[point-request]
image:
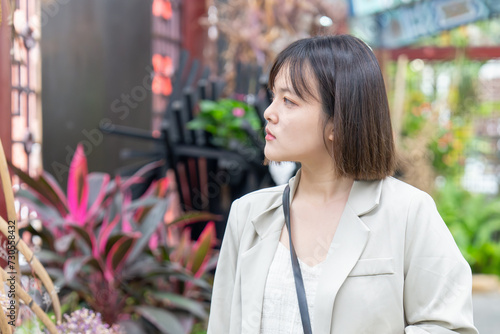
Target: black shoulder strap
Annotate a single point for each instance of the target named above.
(299, 283)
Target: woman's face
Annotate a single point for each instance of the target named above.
(295, 126)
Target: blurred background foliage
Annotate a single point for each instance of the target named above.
(448, 139)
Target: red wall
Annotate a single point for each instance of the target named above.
(193, 34)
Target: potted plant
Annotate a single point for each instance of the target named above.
(229, 122)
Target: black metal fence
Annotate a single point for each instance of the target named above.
(208, 178)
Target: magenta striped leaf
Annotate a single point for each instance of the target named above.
(78, 187)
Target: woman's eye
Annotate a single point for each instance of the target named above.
(288, 102)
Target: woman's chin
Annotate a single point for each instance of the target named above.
(274, 156)
(269, 154)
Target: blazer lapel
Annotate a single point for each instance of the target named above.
(347, 245)
(255, 263)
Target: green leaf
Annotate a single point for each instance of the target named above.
(207, 105)
(211, 128)
(218, 114)
(165, 321)
(197, 124)
(177, 301)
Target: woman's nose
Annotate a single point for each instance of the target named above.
(270, 114)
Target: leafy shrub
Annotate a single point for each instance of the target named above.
(226, 120)
(474, 221)
(119, 255)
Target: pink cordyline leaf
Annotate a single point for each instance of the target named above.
(186, 246)
(57, 190)
(100, 196)
(160, 236)
(172, 237)
(127, 199)
(44, 212)
(118, 181)
(41, 189)
(93, 241)
(182, 247)
(78, 187)
(138, 176)
(106, 271)
(84, 234)
(158, 188)
(153, 242)
(202, 249)
(118, 255)
(162, 187)
(150, 191)
(72, 266)
(106, 229)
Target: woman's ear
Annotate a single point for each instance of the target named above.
(330, 131)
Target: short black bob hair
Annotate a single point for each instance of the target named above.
(352, 92)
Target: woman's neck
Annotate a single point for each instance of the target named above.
(322, 185)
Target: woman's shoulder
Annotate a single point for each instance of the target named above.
(393, 183)
(265, 194)
(262, 199)
(398, 191)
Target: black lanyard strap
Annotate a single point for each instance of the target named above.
(297, 274)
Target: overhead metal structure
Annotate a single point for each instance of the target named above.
(393, 24)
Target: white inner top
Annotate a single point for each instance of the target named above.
(280, 311)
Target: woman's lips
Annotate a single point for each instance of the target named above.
(269, 135)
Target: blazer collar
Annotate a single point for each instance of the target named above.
(363, 198)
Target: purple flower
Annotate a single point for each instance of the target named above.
(239, 112)
(86, 321)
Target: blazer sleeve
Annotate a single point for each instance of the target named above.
(224, 280)
(438, 280)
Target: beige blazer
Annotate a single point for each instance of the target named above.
(395, 267)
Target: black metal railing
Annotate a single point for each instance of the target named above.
(207, 177)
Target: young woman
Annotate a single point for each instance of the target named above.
(373, 252)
